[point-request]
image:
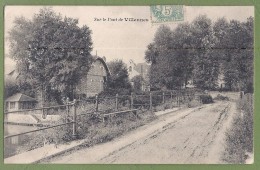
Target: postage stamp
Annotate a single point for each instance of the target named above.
(167, 13)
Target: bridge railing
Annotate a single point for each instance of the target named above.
(70, 116)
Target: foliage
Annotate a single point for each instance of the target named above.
(51, 52)
(206, 65)
(118, 80)
(13, 86)
(10, 88)
(111, 92)
(117, 125)
(138, 82)
(168, 59)
(220, 97)
(206, 98)
(193, 103)
(202, 52)
(236, 41)
(164, 106)
(239, 138)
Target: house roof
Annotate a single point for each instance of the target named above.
(133, 73)
(104, 64)
(20, 97)
(13, 75)
(138, 69)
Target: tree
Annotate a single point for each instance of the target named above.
(160, 53)
(169, 55)
(138, 82)
(119, 80)
(237, 58)
(182, 62)
(51, 52)
(10, 88)
(202, 51)
(206, 65)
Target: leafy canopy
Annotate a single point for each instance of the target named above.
(119, 79)
(51, 51)
(202, 52)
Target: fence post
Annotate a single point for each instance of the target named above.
(67, 107)
(132, 101)
(74, 131)
(151, 102)
(163, 97)
(178, 99)
(241, 94)
(116, 101)
(96, 103)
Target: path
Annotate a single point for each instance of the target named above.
(186, 136)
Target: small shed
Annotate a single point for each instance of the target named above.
(19, 101)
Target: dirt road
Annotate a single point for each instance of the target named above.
(187, 136)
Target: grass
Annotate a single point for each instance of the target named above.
(239, 138)
(112, 128)
(90, 127)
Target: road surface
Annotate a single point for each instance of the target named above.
(185, 136)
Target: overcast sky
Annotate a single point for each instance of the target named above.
(121, 40)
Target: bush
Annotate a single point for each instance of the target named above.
(206, 98)
(164, 106)
(193, 103)
(239, 138)
(220, 97)
(100, 132)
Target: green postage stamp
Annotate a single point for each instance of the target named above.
(167, 13)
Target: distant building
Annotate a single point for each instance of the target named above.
(19, 101)
(13, 75)
(221, 81)
(132, 70)
(141, 69)
(92, 83)
(95, 80)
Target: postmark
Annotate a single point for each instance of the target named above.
(167, 13)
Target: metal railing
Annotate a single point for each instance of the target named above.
(75, 109)
(27, 111)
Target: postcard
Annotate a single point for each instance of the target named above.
(160, 84)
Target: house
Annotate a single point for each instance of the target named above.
(12, 76)
(141, 69)
(221, 82)
(131, 70)
(92, 83)
(95, 80)
(19, 101)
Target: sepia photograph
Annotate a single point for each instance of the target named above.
(162, 84)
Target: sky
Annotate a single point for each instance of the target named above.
(120, 40)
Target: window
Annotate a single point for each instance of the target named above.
(101, 85)
(130, 68)
(12, 105)
(7, 105)
(14, 140)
